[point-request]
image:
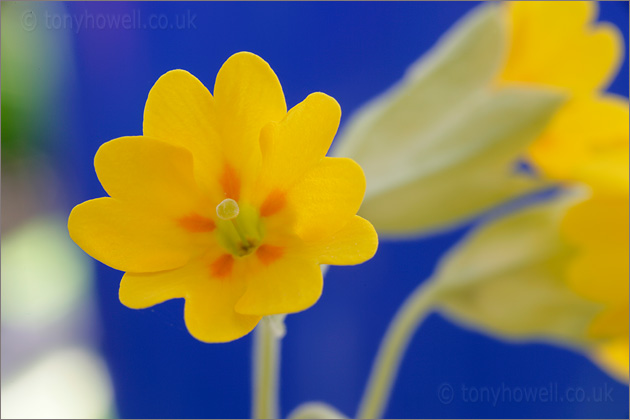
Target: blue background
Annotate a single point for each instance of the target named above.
(351, 51)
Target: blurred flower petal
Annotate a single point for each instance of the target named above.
(557, 43)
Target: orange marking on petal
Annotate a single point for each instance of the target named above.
(222, 267)
(273, 203)
(269, 253)
(231, 183)
(196, 223)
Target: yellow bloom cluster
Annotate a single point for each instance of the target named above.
(558, 45)
(584, 246)
(512, 81)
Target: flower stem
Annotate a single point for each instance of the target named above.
(266, 371)
(385, 368)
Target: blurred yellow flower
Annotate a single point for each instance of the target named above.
(508, 277)
(558, 44)
(510, 81)
(587, 141)
(556, 271)
(227, 201)
(599, 227)
(440, 146)
(572, 286)
(599, 272)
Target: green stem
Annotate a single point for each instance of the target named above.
(266, 371)
(407, 320)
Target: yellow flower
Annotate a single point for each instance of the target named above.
(558, 271)
(508, 277)
(440, 146)
(444, 139)
(557, 43)
(598, 228)
(574, 286)
(587, 142)
(227, 201)
(554, 271)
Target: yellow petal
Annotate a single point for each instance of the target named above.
(612, 322)
(291, 283)
(248, 96)
(327, 197)
(300, 140)
(601, 275)
(129, 238)
(598, 222)
(613, 357)
(209, 311)
(142, 290)
(149, 173)
(181, 111)
(556, 17)
(555, 43)
(584, 137)
(355, 243)
(607, 173)
(600, 270)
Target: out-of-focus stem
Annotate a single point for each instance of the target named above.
(266, 368)
(385, 369)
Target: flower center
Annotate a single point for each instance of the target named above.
(239, 229)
